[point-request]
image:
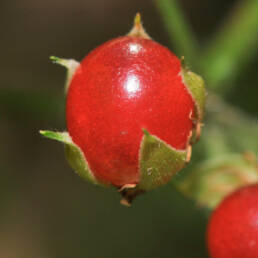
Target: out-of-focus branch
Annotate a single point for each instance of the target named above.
(180, 32)
(233, 45)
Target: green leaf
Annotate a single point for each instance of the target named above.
(74, 155)
(158, 162)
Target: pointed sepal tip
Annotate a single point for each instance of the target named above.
(138, 29)
(74, 154)
(70, 64)
(137, 20)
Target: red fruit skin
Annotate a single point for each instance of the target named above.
(233, 227)
(125, 85)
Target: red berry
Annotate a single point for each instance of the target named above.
(123, 86)
(233, 227)
(132, 114)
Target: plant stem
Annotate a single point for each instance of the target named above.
(180, 32)
(232, 46)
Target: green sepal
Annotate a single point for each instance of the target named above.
(195, 84)
(158, 162)
(73, 154)
(70, 64)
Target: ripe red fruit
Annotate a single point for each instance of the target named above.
(132, 113)
(233, 227)
(121, 87)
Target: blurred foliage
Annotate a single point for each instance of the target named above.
(46, 210)
(224, 54)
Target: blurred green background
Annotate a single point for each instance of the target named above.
(46, 210)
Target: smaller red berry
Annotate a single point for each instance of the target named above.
(233, 227)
